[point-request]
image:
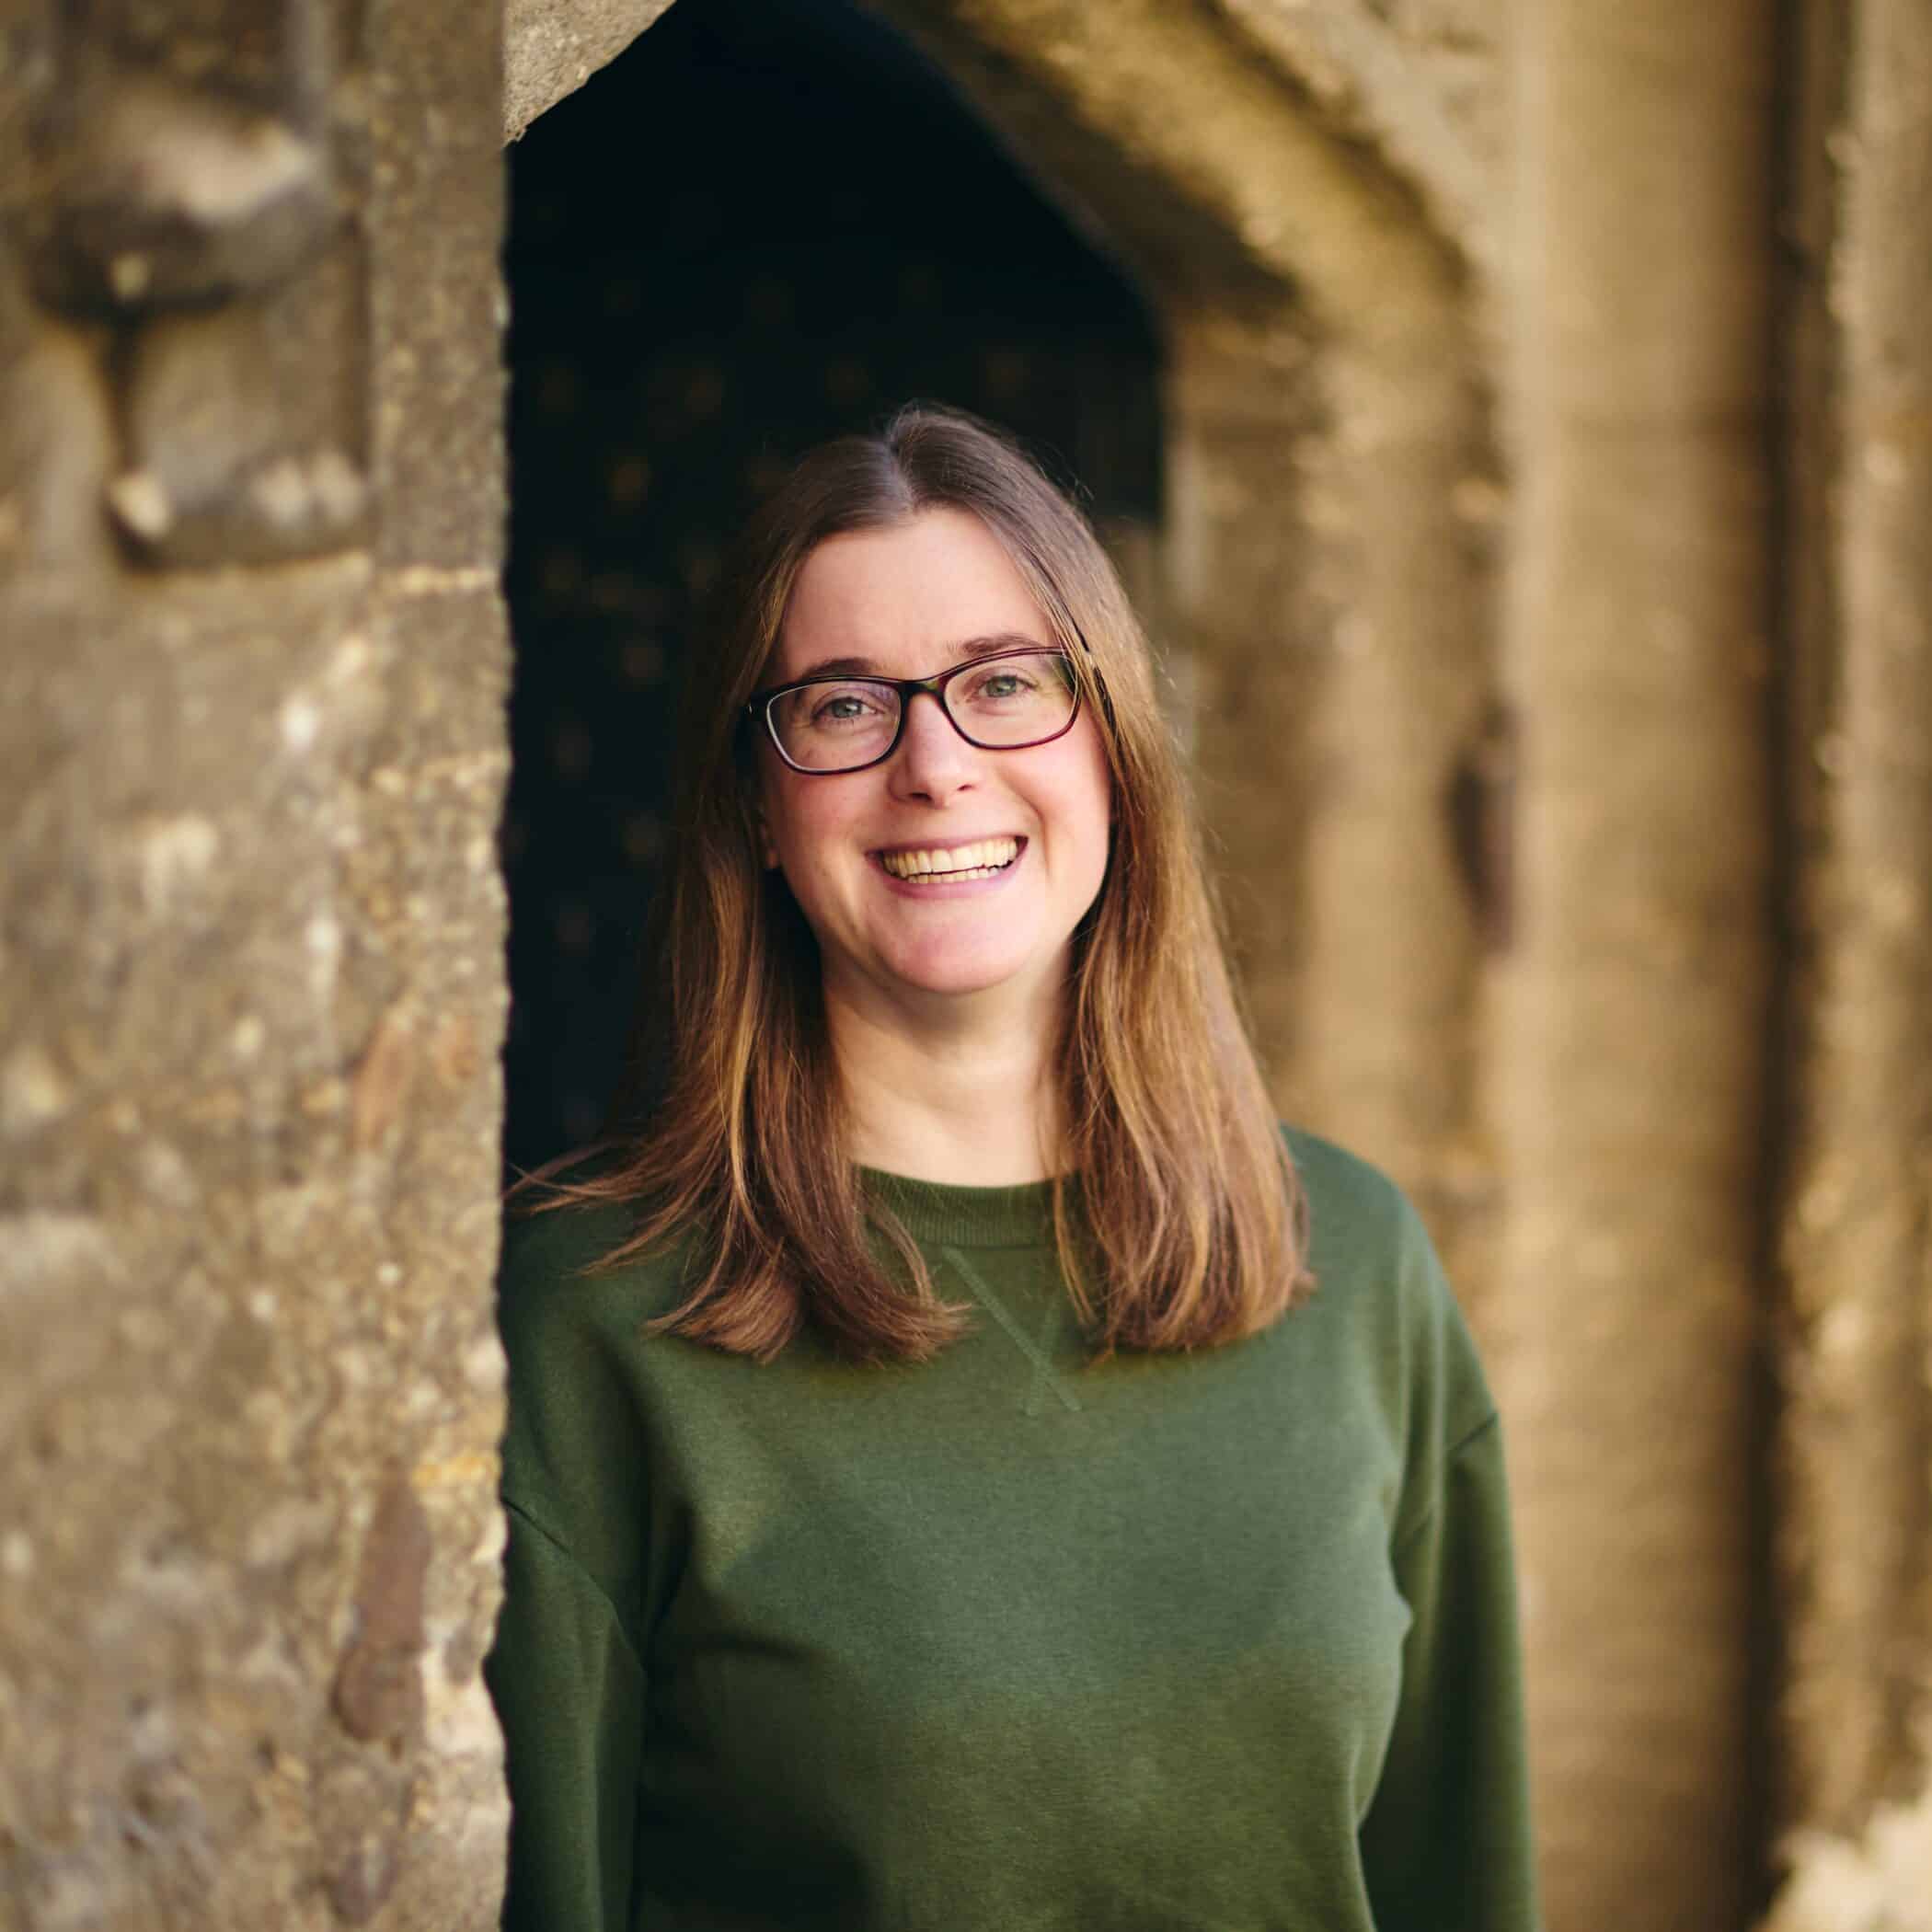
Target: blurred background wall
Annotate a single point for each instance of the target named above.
(1516, 423)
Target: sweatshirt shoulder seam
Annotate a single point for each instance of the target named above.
(1467, 1440)
(1469, 1435)
(556, 1543)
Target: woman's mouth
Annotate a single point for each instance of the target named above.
(951, 865)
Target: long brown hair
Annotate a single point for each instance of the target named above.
(1178, 1215)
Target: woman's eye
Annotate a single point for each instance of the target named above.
(1003, 684)
(843, 708)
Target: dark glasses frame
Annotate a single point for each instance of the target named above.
(760, 703)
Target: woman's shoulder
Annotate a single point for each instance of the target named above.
(1356, 1213)
(1378, 1272)
(560, 1275)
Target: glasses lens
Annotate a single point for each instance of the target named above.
(830, 728)
(1012, 700)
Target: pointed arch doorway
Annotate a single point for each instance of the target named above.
(766, 222)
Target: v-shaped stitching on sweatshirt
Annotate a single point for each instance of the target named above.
(1045, 1376)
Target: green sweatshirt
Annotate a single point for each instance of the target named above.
(1008, 1642)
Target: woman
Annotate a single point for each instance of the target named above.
(967, 1468)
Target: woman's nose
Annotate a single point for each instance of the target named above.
(933, 760)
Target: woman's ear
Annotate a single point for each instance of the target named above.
(767, 852)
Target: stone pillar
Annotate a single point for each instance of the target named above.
(1634, 1010)
(1243, 430)
(1329, 595)
(251, 757)
(1855, 1530)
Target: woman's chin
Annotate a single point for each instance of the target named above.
(961, 975)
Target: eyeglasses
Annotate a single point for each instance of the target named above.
(823, 725)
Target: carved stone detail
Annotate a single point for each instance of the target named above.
(187, 170)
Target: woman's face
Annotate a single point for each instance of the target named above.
(909, 601)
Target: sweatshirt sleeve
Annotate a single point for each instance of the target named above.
(567, 1667)
(1446, 1844)
(569, 1694)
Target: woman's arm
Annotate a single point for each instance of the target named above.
(1446, 1844)
(567, 1670)
(569, 1693)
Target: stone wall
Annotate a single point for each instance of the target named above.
(251, 753)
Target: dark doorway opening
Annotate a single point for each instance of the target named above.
(768, 222)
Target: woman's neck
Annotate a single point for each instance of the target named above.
(970, 1101)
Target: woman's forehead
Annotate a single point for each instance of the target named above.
(899, 599)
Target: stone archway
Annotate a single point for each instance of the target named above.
(1324, 359)
(1318, 218)
(671, 350)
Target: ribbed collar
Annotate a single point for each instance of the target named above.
(944, 1216)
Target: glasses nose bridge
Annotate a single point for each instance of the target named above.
(934, 688)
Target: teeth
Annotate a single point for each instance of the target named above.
(979, 860)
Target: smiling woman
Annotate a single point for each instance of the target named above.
(1122, 1583)
(1069, 1022)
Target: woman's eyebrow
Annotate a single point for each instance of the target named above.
(961, 653)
